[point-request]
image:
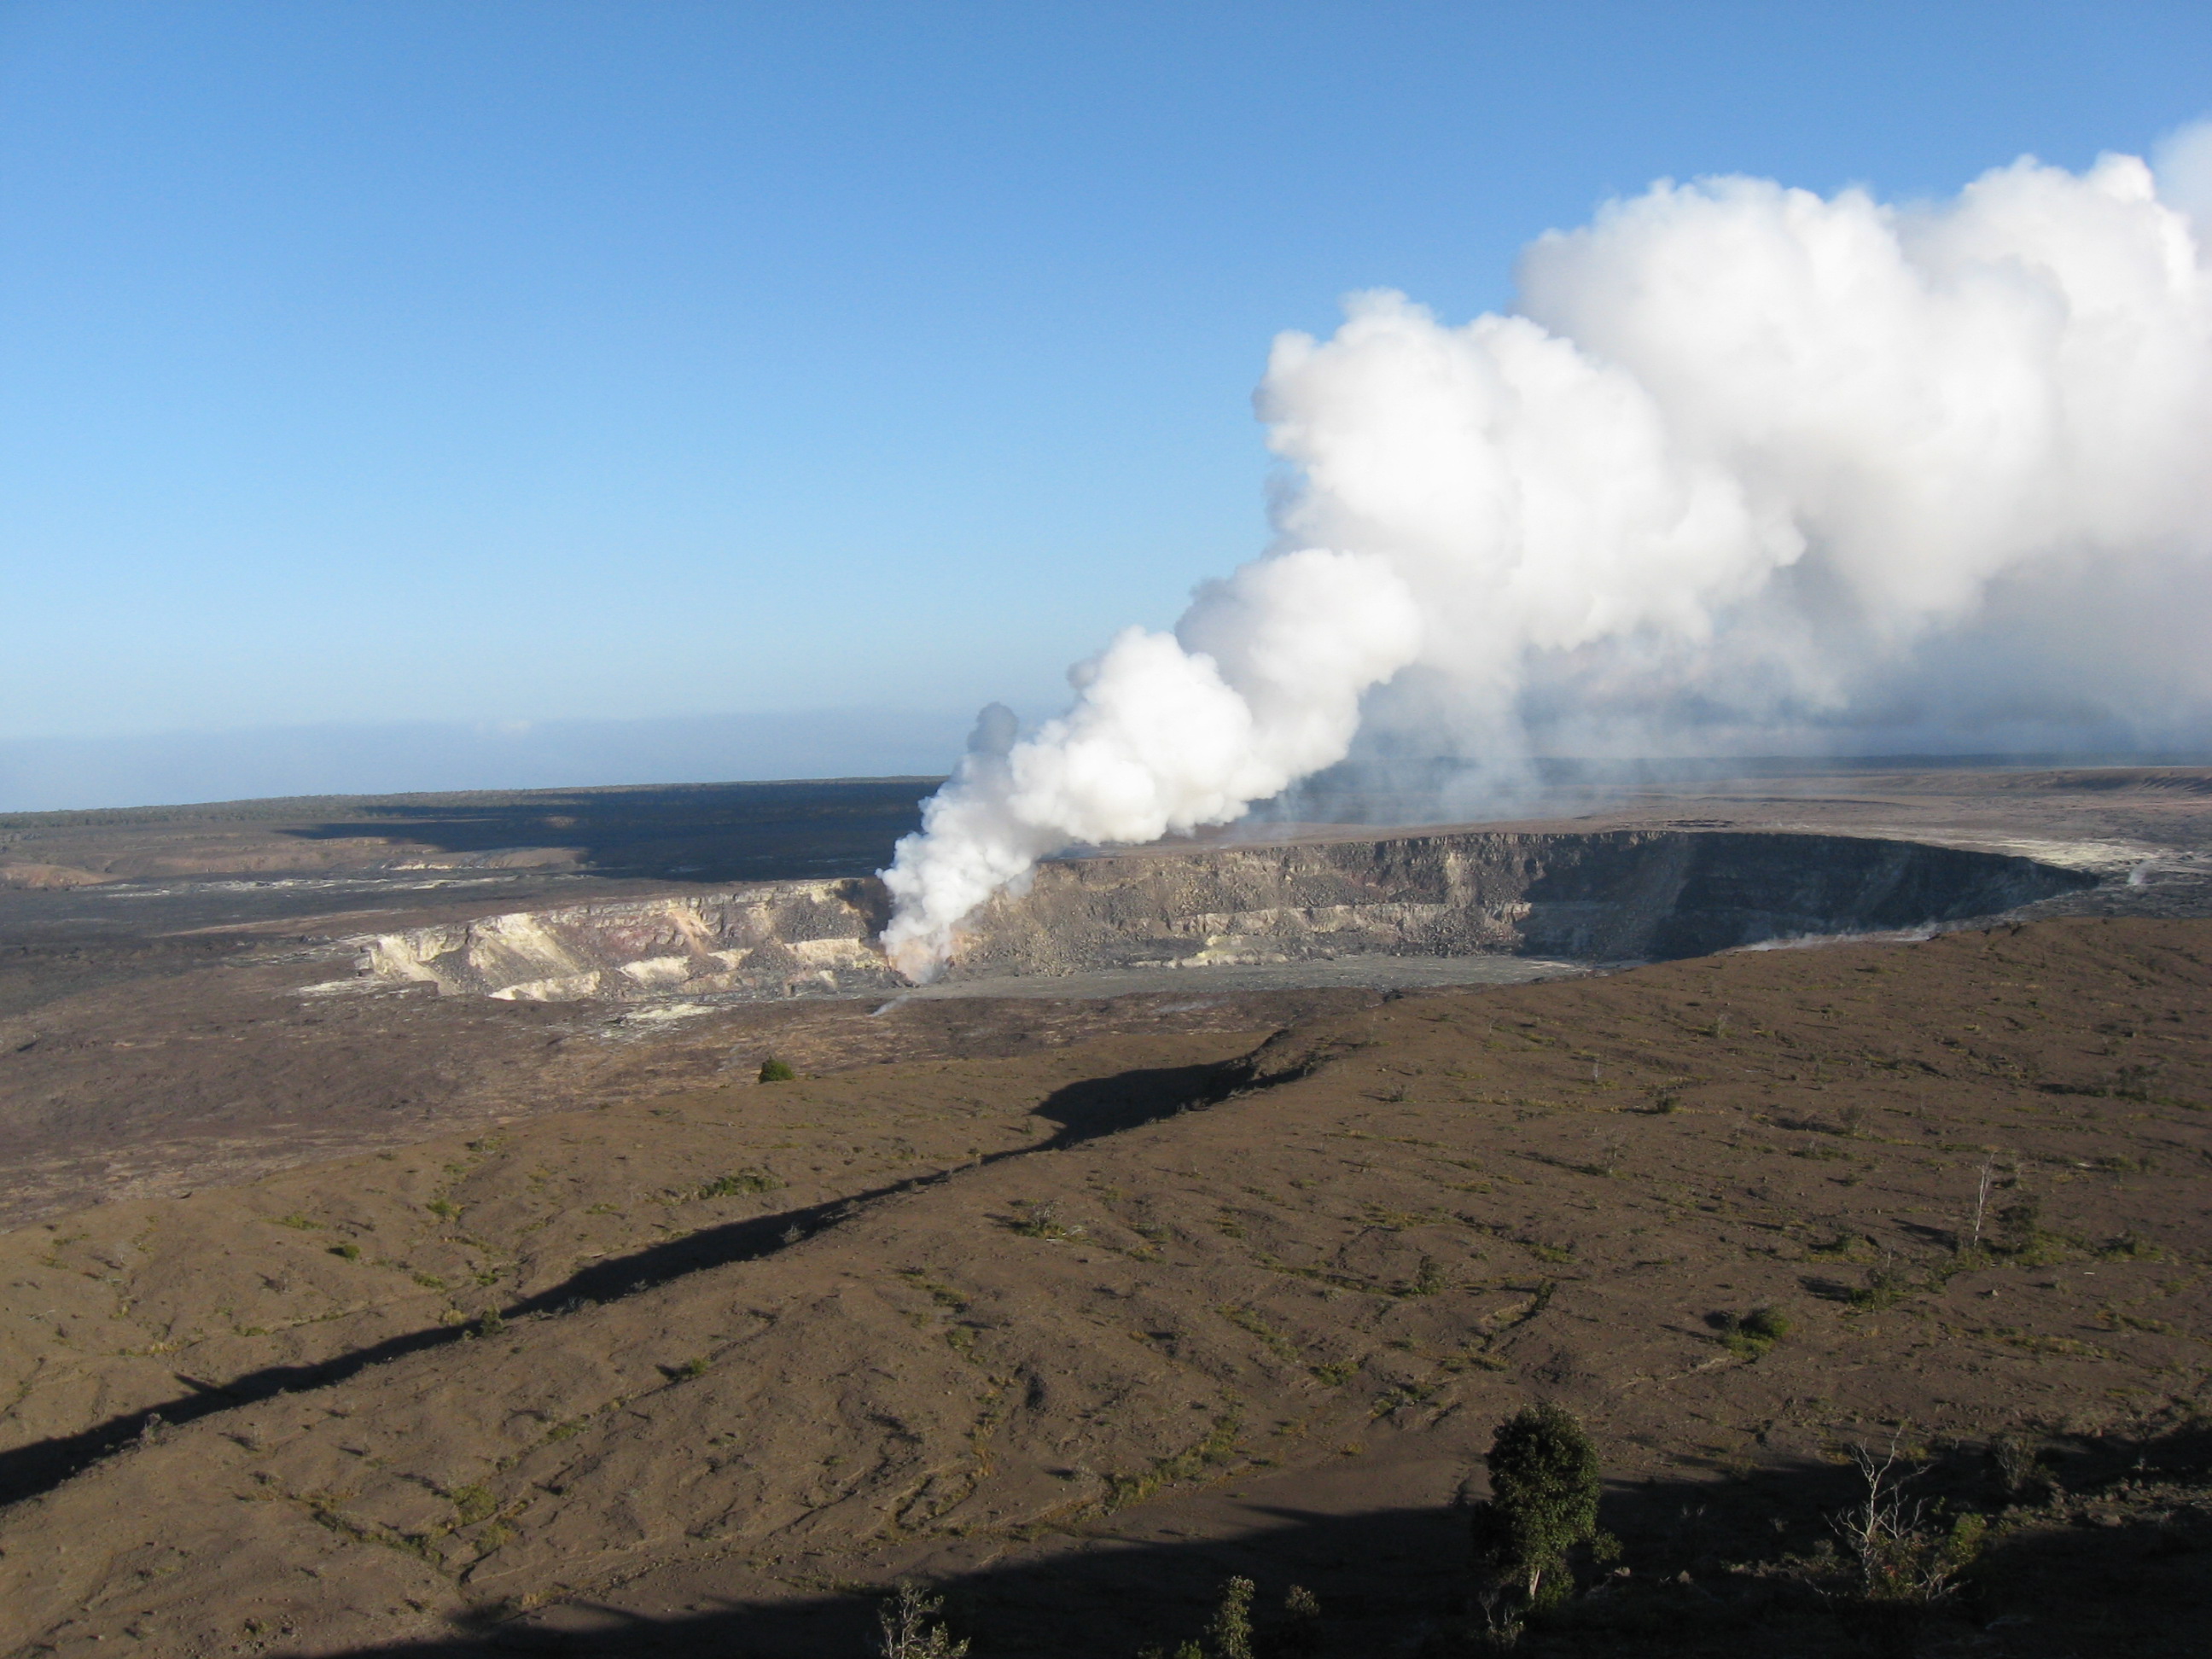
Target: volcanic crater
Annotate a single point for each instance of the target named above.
(1609, 896)
(404, 1256)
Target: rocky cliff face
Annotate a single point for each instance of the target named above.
(769, 939)
(1613, 896)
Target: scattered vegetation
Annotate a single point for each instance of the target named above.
(1543, 1252)
(1231, 1633)
(1043, 1221)
(2133, 1082)
(775, 1071)
(472, 1503)
(754, 1180)
(1216, 1448)
(1719, 1194)
(1246, 1319)
(2130, 1246)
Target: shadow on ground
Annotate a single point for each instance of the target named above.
(1705, 1561)
(1083, 1111)
(704, 832)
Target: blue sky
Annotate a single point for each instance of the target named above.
(488, 363)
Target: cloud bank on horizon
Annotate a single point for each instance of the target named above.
(1743, 463)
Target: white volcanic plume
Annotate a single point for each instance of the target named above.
(1744, 461)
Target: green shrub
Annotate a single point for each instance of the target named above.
(2018, 1225)
(1752, 1334)
(1543, 1500)
(473, 1505)
(1887, 1284)
(774, 1071)
(2130, 1246)
(1300, 1630)
(744, 1181)
(1768, 1324)
(2018, 1464)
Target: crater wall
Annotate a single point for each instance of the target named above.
(1609, 897)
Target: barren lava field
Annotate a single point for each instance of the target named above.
(1077, 1334)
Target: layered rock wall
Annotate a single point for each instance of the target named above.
(769, 938)
(1618, 896)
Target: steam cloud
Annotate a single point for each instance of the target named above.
(1745, 463)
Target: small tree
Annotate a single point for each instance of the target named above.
(907, 1627)
(775, 1071)
(1543, 1499)
(1903, 1555)
(1229, 1632)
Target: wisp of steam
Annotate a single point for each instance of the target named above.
(1743, 463)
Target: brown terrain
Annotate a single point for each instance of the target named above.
(372, 1320)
